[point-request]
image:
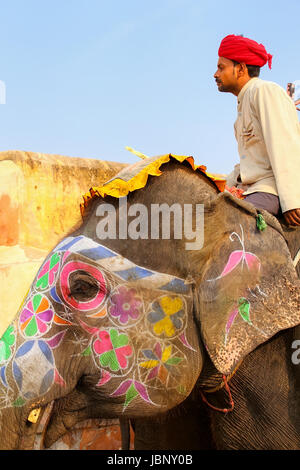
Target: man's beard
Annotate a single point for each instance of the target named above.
(222, 87)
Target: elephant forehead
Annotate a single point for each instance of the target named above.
(27, 357)
(120, 267)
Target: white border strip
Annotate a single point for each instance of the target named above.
(297, 258)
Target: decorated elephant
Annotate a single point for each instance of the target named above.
(136, 325)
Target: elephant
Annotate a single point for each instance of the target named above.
(145, 328)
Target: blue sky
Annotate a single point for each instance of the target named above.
(86, 79)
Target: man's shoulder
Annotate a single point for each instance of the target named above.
(266, 86)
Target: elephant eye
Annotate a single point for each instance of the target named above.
(83, 286)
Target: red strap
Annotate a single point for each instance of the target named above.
(223, 410)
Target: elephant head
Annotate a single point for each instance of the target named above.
(93, 319)
(105, 333)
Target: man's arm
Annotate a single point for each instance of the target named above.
(292, 217)
(231, 179)
(281, 132)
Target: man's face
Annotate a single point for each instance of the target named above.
(226, 75)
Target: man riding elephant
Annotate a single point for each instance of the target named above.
(267, 130)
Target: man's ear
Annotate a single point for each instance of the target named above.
(242, 70)
(249, 289)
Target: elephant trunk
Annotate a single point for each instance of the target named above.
(16, 432)
(21, 431)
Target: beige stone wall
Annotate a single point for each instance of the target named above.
(39, 204)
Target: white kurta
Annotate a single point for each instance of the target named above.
(267, 130)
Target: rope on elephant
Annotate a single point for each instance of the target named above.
(224, 383)
(231, 402)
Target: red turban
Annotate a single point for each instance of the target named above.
(244, 50)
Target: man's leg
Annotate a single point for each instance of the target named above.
(266, 201)
(271, 203)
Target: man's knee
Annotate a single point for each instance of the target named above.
(269, 202)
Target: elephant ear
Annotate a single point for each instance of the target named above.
(249, 292)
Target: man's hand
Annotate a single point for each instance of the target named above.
(292, 217)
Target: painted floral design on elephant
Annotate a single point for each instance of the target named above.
(48, 272)
(160, 363)
(7, 347)
(167, 315)
(7, 343)
(241, 308)
(125, 305)
(132, 389)
(239, 258)
(111, 349)
(36, 317)
(30, 353)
